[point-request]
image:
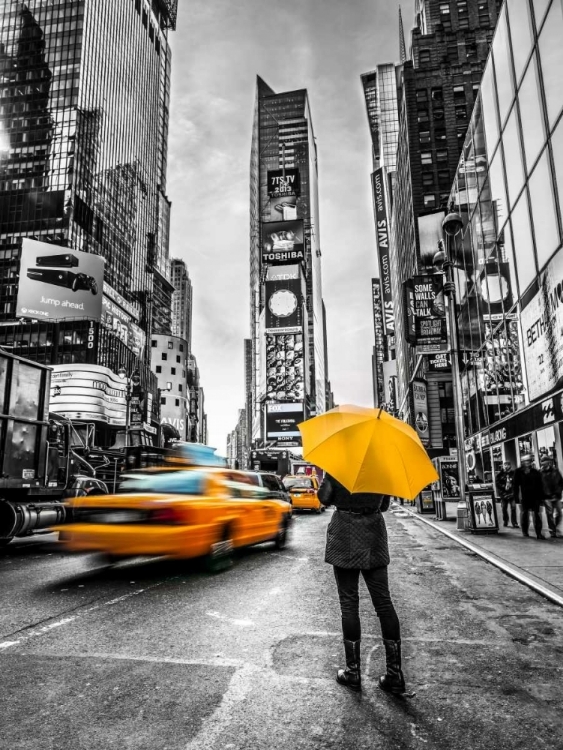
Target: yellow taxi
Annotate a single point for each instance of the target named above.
(182, 513)
(303, 492)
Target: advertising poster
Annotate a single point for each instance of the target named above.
(282, 421)
(542, 323)
(283, 273)
(284, 183)
(382, 232)
(282, 243)
(283, 209)
(90, 392)
(439, 362)
(284, 306)
(449, 478)
(117, 320)
(420, 408)
(285, 368)
(390, 385)
(431, 239)
(58, 282)
(483, 512)
(410, 317)
(430, 313)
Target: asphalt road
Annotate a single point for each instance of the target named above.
(161, 655)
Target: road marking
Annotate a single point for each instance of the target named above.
(7, 644)
(232, 621)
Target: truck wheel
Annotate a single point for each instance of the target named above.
(281, 537)
(220, 556)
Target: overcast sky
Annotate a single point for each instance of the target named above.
(219, 48)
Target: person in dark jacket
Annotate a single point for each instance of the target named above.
(529, 486)
(552, 488)
(504, 482)
(357, 543)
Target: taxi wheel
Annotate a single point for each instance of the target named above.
(319, 510)
(281, 537)
(220, 556)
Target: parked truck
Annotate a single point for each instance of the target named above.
(43, 457)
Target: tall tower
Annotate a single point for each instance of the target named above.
(289, 378)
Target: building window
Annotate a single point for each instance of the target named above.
(483, 11)
(177, 401)
(164, 356)
(173, 371)
(461, 112)
(445, 16)
(158, 369)
(444, 179)
(459, 93)
(170, 345)
(426, 157)
(169, 385)
(437, 95)
(452, 53)
(181, 347)
(178, 359)
(153, 343)
(428, 179)
(421, 95)
(442, 155)
(429, 201)
(439, 132)
(424, 136)
(424, 57)
(163, 400)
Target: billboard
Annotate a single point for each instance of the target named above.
(383, 234)
(430, 313)
(542, 323)
(283, 273)
(409, 312)
(284, 306)
(439, 362)
(420, 410)
(284, 183)
(282, 421)
(431, 242)
(88, 392)
(58, 282)
(282, 242)
(120, 322)
(390, 385)
(285, 367)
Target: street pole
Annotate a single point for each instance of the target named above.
(127, 411)
(452, 225)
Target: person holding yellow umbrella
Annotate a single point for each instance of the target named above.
(367, 456)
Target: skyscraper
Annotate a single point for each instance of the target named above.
(182, 300)
(84, 101)
(286, 312)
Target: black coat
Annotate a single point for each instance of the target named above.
(354, 540)
(530, 486)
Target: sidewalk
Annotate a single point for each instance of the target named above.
(537, 564)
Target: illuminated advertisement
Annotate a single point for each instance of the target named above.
(284, 183)
(430, 313)
(284, 306)
(502, 370)
(420, 408)
(285, 369)
(283, 209)
(120, 322)
(542, 323)
(439, 362)
(282, 242)
(57, 283)
(390, 385)
(89, 393)
(430, 235)
(382, 231)
(282, 421)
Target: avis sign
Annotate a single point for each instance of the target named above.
(382, 235)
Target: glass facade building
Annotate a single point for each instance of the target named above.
(509, 260)
(289, 356)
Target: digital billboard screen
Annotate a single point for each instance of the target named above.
(59, 282)
(430, 313)
(284, 306)
(283, 183)
(282, 243)
(282, 421)
(285, 369)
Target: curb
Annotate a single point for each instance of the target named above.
(490, 558)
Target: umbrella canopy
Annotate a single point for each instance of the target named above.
(368, 450)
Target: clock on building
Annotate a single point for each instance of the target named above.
(282, 303)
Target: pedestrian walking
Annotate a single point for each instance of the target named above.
(504, 483)
(528, 486)
(552, 488)
(357, 543)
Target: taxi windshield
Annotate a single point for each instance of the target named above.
(170, 482)
(301, 483)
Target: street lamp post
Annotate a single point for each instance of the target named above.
(452, 225)
(131, 380)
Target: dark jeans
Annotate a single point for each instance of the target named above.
(528, 508)
(377, 582)
(507, 501)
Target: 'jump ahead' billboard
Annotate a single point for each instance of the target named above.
(58, 282)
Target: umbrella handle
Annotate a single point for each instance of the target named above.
(380, 410)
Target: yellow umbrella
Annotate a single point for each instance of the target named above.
(368, 450)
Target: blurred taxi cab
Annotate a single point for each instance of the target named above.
(182, 513)
(303, 492)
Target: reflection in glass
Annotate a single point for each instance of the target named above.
(551, 55)
(513, 157)
(540, 6)
(489, 109)
(503, 66)
(533, 128)
(543, 210)
(521, 33)
(523, 245)
(498, 192)
(557, 146)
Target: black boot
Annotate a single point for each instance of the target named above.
(351, 676)
(393, 681)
